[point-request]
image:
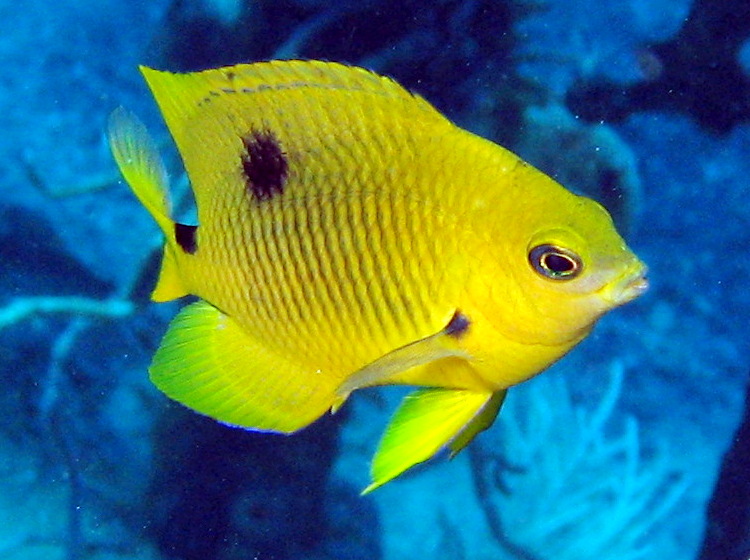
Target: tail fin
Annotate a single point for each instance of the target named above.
(139, 162)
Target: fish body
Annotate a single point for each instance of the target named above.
(349, 235)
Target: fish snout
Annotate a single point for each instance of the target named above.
(631, 285)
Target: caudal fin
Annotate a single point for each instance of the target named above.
(141, 166)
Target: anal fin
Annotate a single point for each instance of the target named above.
(427, 421)
(209, 363)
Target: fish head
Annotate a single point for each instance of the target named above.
(579, 267)
(572, 267)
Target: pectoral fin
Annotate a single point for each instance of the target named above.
(427, 421)
(443, 344)
(209, 363)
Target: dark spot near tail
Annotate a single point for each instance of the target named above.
(264, 165)
(185, 237)
(458, 325)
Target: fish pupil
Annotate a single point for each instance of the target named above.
(556, 263)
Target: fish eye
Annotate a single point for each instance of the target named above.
(556, 263)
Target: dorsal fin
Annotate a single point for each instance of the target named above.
(182, 95)
(306, 106)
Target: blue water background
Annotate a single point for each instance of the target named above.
(94, 463)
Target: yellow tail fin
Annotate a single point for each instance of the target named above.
(139, 162)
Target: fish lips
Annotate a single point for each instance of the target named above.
(631, 284)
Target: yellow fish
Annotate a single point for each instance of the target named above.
(349, 236)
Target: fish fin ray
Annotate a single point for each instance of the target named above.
(393, 364)
(209, 363)
(481, 421)
(426, 421)
(182, 95)
(141, 165)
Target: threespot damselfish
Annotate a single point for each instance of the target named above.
(349, 235)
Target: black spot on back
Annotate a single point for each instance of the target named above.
(264, 165)
(458, 325)
(185, 237)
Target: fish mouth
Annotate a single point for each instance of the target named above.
(631, 284)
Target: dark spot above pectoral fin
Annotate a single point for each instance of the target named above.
(186, 237)
(264, 165)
